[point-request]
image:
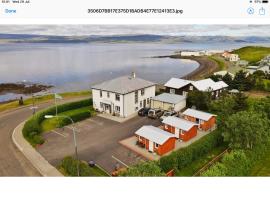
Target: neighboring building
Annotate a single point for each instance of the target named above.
(205, 120)
(155, 139)
(191, 53)
(123, 96)
(252, 69)
(234, 58)
(182, 129)
(169, 102)
(231, 57)
(178, 86)
(265, 69)
(223, 73)
(242, 63)
(181, 86)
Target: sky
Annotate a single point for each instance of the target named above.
(172, 30)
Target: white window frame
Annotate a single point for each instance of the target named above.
(142, 92)
(100, 93)
(156, 145)
(116, 95)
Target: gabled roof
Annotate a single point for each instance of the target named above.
(198, 114)
(169, 98)
(179, 123)
(177, 83)
(123, 84)
(154, 134)
(209, 85)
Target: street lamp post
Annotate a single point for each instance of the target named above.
(74, 137)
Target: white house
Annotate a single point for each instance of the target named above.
(170, 102)
(123, 96)
(223, 73)
(234, 58)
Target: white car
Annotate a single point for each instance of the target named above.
(167, 114)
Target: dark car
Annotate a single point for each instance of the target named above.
(143, 111)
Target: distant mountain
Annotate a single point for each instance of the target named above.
(27, 38)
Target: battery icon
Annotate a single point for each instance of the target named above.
(265, 1)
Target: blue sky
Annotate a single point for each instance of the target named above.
(175, 30)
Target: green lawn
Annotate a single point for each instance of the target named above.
(50, 124)
(252, 54)
(262, 168)
(220, 62)
(41, 99)
(199, 163)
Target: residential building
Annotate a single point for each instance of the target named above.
(155, 139)
(223, 73)
(123, 96)
(205, 120)
(169, 102)
(181, 128)
(231, 57)
(182, 87)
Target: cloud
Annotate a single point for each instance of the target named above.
(175, 30)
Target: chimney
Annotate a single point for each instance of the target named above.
(133, 75)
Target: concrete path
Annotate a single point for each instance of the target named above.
(42, 165)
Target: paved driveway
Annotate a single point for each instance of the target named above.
(98, 139)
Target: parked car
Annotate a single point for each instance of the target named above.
(167, 114)
(155, 113)
(143, 112)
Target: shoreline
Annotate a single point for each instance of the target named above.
(206, 66)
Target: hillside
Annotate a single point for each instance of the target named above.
(252, 54)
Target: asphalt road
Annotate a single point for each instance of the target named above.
(97, 139)
(12, 161)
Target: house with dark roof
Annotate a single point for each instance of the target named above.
(123, 96)
(182, 86)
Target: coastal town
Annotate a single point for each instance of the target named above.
(135, 127)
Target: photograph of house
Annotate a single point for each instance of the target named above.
(205, 120)
(155, 139)
(123, 96)
(181, 128)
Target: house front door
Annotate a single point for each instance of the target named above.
(176, 131)
(107, 108)
(151, 146)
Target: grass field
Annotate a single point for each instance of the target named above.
(50, 124)
(198, 164)
(220, 62)
(262, 168)
(42, 99)
(252, 54)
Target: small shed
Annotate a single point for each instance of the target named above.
(205, 120)
(169, 102)
(181, 128)
(155, 139)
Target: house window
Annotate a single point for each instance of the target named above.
(117, 97)
(136, 108)
(136, 96)
(191, 87)
(117, 109)
(172, 91)
(142, 92)
(156, 145)
(100, 93)
(148, 100)
(101, 105)
(108, 94)
(140, 104)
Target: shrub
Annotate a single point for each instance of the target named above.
(32, 129)
(183, 157)
(149, 168)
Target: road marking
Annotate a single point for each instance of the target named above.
(61, 134)
(76, 129)
(120, 161)
(91, 120)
